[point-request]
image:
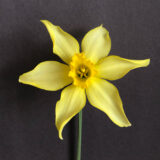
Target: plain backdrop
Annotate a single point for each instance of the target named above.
(27, 114)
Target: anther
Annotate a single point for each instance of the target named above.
(83, 72)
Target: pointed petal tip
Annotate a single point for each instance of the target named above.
(59, 131)
(148, 61)
(125, 124)
(128, 125)
(60, 137)
(144, 63)
(101, 25)
(23, 79)
(20, 80)
(44, 21)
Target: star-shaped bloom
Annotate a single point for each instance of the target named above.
(85, 74)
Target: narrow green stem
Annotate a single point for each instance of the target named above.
(79, 147)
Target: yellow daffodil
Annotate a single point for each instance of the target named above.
(86, 71)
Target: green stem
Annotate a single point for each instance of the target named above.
(79, 137)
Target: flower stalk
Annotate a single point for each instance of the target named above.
(79, 146)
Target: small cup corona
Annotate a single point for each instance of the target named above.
(81, 70)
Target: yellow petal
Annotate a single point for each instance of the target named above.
(72, 101)
(104, 96)
(64, 45)
(96, 43)
(48, 75)
(115, 67)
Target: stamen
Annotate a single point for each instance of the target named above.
(83, 72)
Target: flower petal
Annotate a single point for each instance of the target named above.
(48, 75)
(64, 45)
(104, 96)
(72, 100)
(96, 43)
(115, 67)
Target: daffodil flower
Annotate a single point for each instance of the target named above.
(85, 72)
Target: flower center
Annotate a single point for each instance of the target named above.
(81, 70)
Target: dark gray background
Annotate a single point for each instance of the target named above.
(27, 130)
